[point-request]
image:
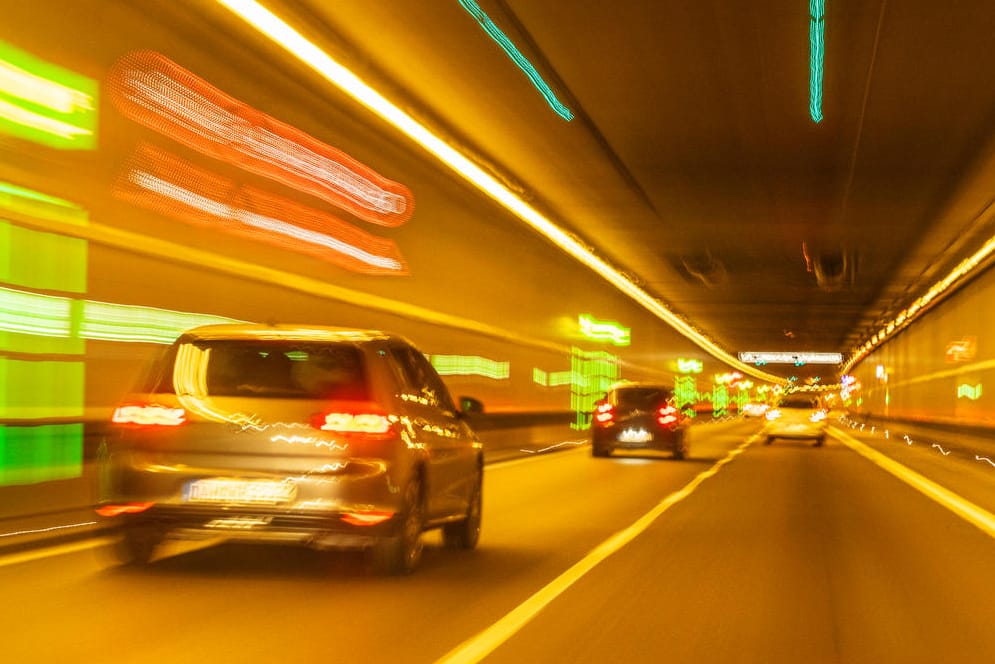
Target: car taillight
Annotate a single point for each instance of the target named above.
(817, 416)
(359, 418)
(604, 413)
(666, 415)
(149, 415)
(127, 508)
(366, 518)
(773, 414)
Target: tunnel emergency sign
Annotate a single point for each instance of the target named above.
(797, 359)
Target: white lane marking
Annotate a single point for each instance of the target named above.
(485, 642)
(963, 508)
(529, 459)
(556, 445)
(942, 451)
(981, 458)
(37, 531)
(51, 551)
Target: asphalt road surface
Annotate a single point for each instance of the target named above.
(743, 553)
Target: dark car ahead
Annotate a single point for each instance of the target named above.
(638, 416)
(337, 439)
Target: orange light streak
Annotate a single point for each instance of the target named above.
(171, 186)
(154, 91)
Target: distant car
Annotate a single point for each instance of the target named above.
(754, 409)
(335, 439)
(798, 416)
(638, 416)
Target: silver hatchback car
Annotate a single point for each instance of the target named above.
(337, 439)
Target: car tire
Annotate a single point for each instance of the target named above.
(768, 440)
(136, 545)
(400, 554)
(820, 441)
(681, 447)
(598, 451)
(465, 534)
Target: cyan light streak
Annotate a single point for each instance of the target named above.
(523, 63)
(817, 53)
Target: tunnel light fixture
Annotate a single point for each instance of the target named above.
(816, 57)
(953, 279)
(798, 359)
(310, 54)
(516, 56)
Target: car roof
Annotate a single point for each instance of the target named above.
(260, 332)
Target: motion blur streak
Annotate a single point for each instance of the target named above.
(484, 643)
(34, 106)
(968, 511)
(307, 52)
(198, 196)
(158, 93)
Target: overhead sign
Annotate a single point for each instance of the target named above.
(797, 359)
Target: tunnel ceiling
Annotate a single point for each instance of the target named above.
(692, 162)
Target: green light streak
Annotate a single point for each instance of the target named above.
(46, 104)
(971, 392)
(604, 330)
(38, 315)
(31, 454)
(516, 56)
(470, 365)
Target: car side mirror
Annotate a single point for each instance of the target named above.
(471, 406)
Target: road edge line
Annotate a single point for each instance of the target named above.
(965, 509)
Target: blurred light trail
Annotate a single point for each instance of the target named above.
(46, 104)
(307, 52)
(159, 94)
(516, 56)
(169, 185)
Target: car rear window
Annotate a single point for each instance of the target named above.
(641, 397)
(268, 369)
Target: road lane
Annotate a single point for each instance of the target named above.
(794, 554)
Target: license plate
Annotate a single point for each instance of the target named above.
(635, 436)
(250, 492)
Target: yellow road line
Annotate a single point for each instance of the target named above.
(963, 508)
(485, 642)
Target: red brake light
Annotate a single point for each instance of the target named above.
(666, 415)
(604, 413)
(359, 417)
(366, 518)
(127, 508)
(149, 414)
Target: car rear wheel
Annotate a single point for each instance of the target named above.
(599, 450)
(137, 545)
(768, 440)
(465, 534)
(401, 553)
(681, 447)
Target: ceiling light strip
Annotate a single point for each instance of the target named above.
(516, 56)
(307, 52)
(919, 306)
(816, 57)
